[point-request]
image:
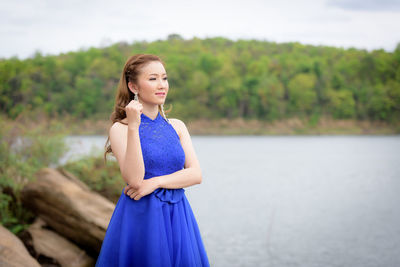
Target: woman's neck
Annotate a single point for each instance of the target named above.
(150, 111)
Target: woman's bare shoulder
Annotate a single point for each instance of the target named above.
(118, 127)
(177, 124)
(124, 121)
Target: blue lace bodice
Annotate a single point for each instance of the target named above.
(162, 153)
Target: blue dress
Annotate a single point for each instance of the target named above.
(160, 229)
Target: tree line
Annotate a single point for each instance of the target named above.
(214, 78)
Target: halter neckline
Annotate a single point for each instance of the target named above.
(148, 118)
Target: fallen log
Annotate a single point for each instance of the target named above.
(47, 243)
(71, 209)
(13, 253)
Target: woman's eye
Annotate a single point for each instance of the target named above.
(153, 79)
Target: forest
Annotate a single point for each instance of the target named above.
(214, 78)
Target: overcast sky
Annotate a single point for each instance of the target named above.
(55, 26)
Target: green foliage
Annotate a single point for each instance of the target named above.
(104, 179)
(302, 95)
(213, 78)
(380, 103)
(271, 93)
(342, 104)
(24, 149)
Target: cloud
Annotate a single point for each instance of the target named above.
(61, 26)
(367, 5)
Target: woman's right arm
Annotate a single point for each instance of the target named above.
(126, 147)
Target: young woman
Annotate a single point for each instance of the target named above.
(153, 223)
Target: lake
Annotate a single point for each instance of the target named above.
(293, 200)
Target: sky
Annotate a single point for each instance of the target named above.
(53, 27)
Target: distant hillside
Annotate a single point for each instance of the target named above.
(214, 78)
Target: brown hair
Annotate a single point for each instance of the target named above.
(124, 95)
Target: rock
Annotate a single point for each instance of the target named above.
(76, 213)
(48, 243)
(13, 253)
(73, 178)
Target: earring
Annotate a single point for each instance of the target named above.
(135, 97)
(162, 111)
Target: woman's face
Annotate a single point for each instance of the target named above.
(152, 83)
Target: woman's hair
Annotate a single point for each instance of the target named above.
(130, 73)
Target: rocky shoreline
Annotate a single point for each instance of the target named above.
(70, 225)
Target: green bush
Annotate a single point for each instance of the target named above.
(25, 147)
(104, 179)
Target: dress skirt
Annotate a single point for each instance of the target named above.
(160, 229)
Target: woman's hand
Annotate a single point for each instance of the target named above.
(147, 187)
(133, 111)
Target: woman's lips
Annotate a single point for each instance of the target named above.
(160, 94)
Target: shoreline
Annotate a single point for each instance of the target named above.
(226, 127)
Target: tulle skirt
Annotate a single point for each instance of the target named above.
(160, 229)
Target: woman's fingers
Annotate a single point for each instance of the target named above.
(133, 195)
(127, 189)
(137, 196)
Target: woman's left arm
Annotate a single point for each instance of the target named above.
(191, 174)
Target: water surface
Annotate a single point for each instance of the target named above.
(294, 200)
